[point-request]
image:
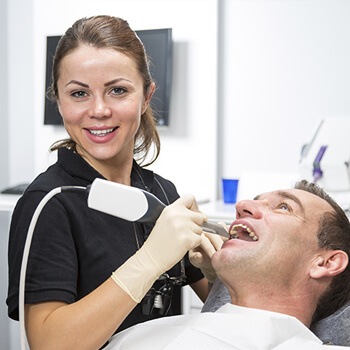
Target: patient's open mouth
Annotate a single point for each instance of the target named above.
(240, 231)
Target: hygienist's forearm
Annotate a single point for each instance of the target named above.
(85, 324)
(201, 288)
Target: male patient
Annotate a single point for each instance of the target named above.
(285, 266)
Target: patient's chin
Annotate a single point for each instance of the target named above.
(221, 259)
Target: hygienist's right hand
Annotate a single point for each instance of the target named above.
(177, 230)
(201, 255)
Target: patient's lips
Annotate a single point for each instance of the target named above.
(241, 231)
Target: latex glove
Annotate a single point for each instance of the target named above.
(201, 255)
(177, 230)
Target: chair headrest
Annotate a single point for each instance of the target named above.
(335, 328)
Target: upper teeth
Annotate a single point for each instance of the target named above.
(101, 132)
(234, 234)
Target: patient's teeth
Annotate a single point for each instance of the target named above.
(235, 231)
(252, 234)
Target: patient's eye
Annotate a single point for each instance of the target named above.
(284, 206)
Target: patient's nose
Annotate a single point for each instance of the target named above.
(249, 208)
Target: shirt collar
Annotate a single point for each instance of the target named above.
(79, 168)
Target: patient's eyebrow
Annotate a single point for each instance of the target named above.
(295, 199)
(284, 194)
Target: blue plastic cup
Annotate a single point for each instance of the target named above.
(230, 187)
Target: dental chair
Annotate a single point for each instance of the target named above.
(335, 329)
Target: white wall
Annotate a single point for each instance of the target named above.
(3, 95)
(286, 65)
(283, 66)
(20, 85)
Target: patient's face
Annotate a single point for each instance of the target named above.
(276, 238)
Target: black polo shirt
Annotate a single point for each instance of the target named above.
(75, 248)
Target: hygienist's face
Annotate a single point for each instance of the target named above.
(276, 238)
(101, 99)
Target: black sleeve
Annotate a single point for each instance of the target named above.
(193, 274)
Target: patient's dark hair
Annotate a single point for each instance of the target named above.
(333, 234)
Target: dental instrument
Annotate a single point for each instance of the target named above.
(133, 204)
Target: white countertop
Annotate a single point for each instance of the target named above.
(8, 201)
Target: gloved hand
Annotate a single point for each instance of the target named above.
(200, 256)
(177, 230)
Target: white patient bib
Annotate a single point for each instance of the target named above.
(231, 327)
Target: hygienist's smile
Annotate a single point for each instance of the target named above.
(101, 134)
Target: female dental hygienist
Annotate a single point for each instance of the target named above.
(88, 272)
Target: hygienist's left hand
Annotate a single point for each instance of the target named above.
(200, 256)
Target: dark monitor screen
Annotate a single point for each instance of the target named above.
(158, 45)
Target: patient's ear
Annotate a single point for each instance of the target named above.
(329, 264)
